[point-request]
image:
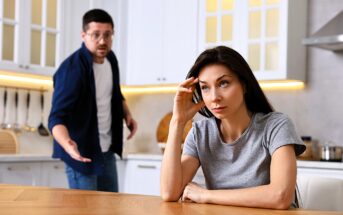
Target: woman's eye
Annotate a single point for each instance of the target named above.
(223, 83)
(204, 88)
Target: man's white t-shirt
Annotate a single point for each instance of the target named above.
(103, 88)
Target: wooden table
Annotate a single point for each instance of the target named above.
(42, 200)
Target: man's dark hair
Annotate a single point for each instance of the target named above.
(96, 15)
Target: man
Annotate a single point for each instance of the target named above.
(88, 109)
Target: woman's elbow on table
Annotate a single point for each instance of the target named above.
(169, 197)
(282, 200)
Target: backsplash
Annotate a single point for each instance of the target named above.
(314, 110)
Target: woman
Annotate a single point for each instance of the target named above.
(247, 152)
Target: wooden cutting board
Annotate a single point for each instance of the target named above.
(8, 142)
(163, 129)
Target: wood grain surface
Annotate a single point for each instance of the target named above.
(53, 201)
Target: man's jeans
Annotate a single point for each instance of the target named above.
(108, 181)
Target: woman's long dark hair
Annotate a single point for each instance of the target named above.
(254, 97)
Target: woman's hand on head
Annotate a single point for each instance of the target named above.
(184, 108)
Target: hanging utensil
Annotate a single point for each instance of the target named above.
(41, 129)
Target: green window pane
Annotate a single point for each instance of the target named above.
(211, 29)
(269, 2)
(227, 4)
(254, 25)
(9, 9)
(50, 49)
(255, 3)
(272, 56)
(36, 12)
(272, 23)
(211, 6)
(254, 55)
(51, 13)
(227, 27)
(35, 47)
(8, 42)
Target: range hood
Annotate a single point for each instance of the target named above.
(330, 36)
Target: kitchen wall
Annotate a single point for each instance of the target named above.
(315, 110)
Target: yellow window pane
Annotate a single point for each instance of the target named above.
(8, 42)
(227, 26)
(51, 13)
(227, 4)
(36, 12)
(50, 49)
(254, 25)
(272, 56)
(211, 6)
(211, 29)
(255, 3)
(269, 2)
(272, 23)
(254, 55)
(9, 9)
(35, 46)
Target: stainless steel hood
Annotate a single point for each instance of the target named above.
(330, 36)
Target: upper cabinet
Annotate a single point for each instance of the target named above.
(161, 41)
(31, 35)
(268, 34)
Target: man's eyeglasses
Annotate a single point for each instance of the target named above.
(96, 37)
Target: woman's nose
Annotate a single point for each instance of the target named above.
(215, 95)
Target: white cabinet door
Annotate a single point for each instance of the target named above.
(31, 35)
(28, 173)
(121, 171)
(142, 177)
(161, 41)
(53, 174)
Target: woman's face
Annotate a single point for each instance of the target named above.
(221, 91)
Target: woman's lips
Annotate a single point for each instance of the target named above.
(218, 109)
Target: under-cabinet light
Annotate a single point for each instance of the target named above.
(22, 80)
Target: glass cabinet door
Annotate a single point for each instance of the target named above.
(218, 17)
(263, 35)
(8, 30)
(45, 32)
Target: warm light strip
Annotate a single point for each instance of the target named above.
(43, 82)
(275, 85)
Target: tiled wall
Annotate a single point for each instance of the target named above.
(316, 111)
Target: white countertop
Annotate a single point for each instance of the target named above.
(156, 157)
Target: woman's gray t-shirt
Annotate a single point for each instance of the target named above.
(245, 162)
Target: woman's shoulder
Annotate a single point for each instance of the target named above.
(272, 118)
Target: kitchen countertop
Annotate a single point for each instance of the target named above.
(16, 199)
(156, 157)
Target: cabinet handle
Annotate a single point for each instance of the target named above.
(21, 66)
(26, 67)
(163, 79)
(146, 166)
(18, 168)
(158, 79)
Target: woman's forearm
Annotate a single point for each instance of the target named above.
(171, 172)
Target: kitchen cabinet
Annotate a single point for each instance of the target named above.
(161, 43)
(31, 35)
(142, 177)
(320, 169)
(27, 173)
(268, 34)
(53, 174)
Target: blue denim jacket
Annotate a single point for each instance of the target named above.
(74, 106)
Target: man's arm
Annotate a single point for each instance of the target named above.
(130, 122)
(61, 135)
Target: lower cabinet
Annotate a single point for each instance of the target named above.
(143, 177)
(27, 173)
(53, 174)
(39, 173)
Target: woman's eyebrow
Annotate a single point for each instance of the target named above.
(204, 82)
